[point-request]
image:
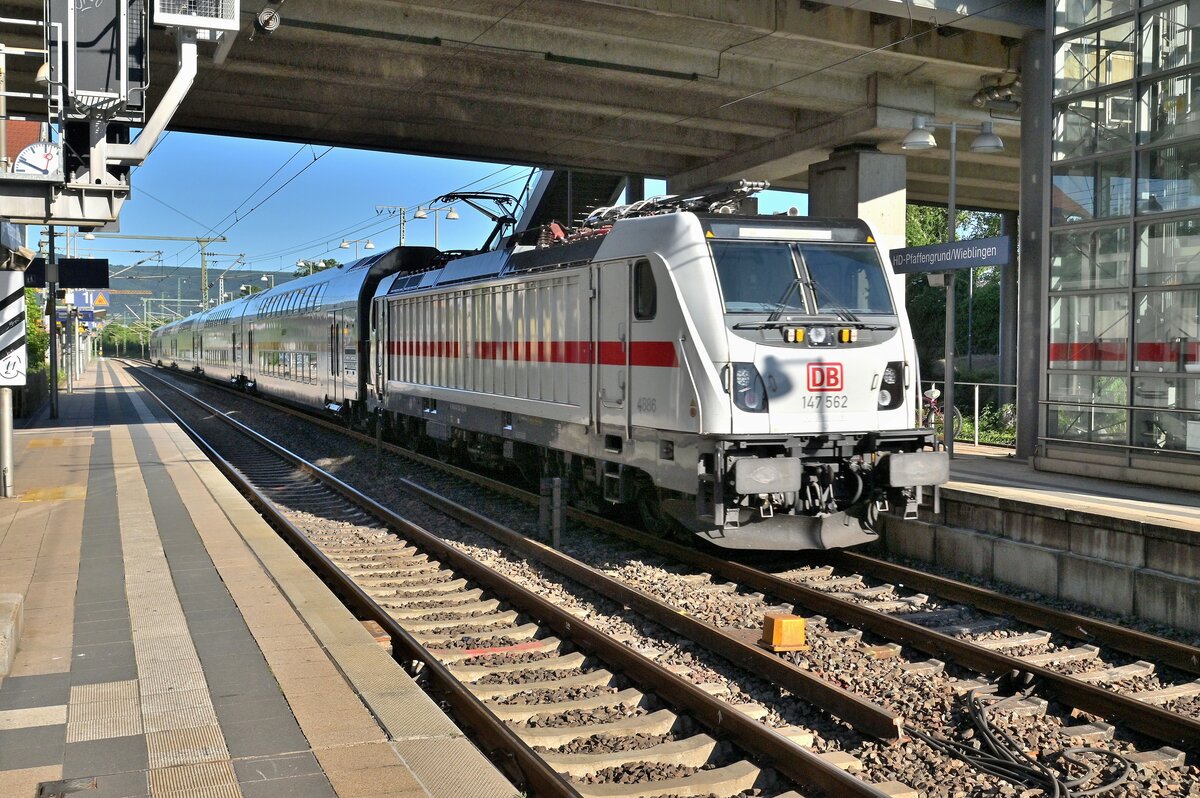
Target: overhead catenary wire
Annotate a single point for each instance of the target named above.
(910, 35)
(375, 223)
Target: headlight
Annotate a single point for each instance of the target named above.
(891, 394)
(749, 392)
(817, 335)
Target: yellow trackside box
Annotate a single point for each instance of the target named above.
(783, 632)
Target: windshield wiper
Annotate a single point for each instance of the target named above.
(782, 305)
(841, 311)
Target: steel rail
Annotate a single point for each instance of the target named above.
(522, 762)
(1147, 718)
(864, 715)
(1161, 724)
(1080, 627)
(781, 753)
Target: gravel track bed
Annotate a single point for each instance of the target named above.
(489, 660)
(1127, 621)
(608, 743)
(578, 717)
(553, 695)
(425, 605)
(1186, 706)
(523, 677)
(639, 772)
(473, 642)
(926, 701)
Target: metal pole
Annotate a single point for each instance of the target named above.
(3, 113)
(976, 414)
(203, 275)
(970, 317)
(6, 443)
(951, 234)
(67, 362)
(556, 513)
(1008, 314)
(52, 307)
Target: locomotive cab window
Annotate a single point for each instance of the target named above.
(645, 292)
(806, 278)
(758, 277)
(846, 277)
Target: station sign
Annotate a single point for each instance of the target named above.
(81, 314)
(955, 255)
(91, 300)
(12, 329)
(72, 273)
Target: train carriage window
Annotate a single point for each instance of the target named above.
(645, 292)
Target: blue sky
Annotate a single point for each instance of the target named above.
(280, 202)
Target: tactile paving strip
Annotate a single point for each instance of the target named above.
(103, 710)
(187, 753)
(186, 746)
(204, 779)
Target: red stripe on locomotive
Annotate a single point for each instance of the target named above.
(658, 354)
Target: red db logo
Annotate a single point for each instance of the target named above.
(825, 377)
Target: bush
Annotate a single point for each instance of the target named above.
(37, 340)
(997, 426)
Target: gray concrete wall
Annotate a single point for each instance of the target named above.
(1142, 569)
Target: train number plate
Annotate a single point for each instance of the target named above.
(826, 401)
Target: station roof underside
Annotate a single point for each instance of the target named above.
(696, 91)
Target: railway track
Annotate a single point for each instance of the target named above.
(950, 632)
(556, 695)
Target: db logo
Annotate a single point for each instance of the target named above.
(825, 377)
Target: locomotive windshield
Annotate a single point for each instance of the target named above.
(806, 277)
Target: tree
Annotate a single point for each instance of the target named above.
(37, 339)
(926, 224)
(310, 266)
(119, 339)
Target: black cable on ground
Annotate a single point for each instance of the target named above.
(1003, 757)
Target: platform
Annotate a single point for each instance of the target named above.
(1130, 549)
(172, 645)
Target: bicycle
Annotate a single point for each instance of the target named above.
(933, 416)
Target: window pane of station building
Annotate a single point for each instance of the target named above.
(1123, 359)
(1086, 259)
(1074, 14)
(1093, 124)
(1100, 57)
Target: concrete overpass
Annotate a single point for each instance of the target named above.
(695, 91)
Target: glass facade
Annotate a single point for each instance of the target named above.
(1123, 331)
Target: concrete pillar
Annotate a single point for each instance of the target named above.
(1008, 308)
(635, 189)
(1034, 221)
(861, 182)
